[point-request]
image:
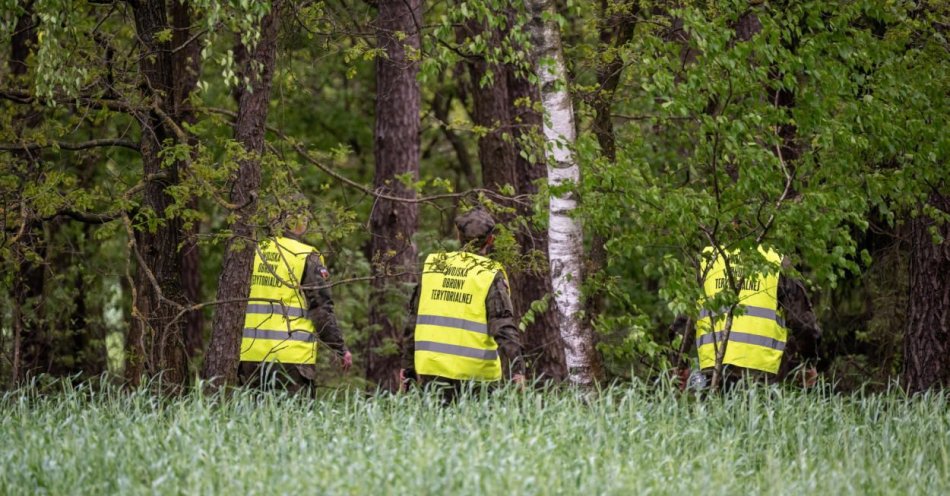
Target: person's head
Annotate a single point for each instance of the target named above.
(476, 228)
(297, 224)
(297, 218)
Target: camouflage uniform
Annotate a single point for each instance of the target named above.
(475, 226)
(320, 311)
(804, 333)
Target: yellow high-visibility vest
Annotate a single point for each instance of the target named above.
(757, 339)
(276, 327)
(451, 336)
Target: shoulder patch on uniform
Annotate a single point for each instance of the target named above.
(324, 272)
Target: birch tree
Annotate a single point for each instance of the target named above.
(566, 242)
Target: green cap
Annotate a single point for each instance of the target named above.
(475, 224)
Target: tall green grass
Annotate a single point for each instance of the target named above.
(627, 440)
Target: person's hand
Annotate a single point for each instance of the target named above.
(346, 361)
(810, 377)
(682, 377)
(519, 380)
(403, 384)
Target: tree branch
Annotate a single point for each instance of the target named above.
(302, 151)
(71, 146)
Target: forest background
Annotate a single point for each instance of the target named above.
(140, 139)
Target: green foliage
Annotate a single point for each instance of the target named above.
(788, 139)
(853, 95)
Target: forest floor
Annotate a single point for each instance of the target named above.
(627, 440)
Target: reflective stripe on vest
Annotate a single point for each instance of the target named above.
(451, 333)
(276, 327)
(757, 338)
(765, 313)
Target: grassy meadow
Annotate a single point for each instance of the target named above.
(626, 440)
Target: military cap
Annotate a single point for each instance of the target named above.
(475, 224)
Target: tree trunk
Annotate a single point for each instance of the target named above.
(156, 344)
(616, 29)
(234, 284)
(491, 105)
(396, 152)
(566, 242)
(927, 337)
(187, 66)
(543, 346)
(441, 105)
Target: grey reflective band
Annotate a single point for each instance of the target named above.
(468, 325)
(741, 337)
(765, 313)
(306, 337)
(451, 349)
(276, 309)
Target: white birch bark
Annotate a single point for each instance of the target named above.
(566, 243)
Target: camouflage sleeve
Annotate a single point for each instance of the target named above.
(679, 326)
(799, 317)
(320, 304)
(409, 333)
(682, 325)
(501, 324)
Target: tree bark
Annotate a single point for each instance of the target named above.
(566, 248)
(543, 346)
(234, 283)
(927, 336)
(396, 152)
(491, 105)
(156, 342)
(187, 66)
(441, 105)
(615, 30)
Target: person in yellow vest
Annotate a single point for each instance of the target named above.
(462, 324)
(289, 312)
(759, 343)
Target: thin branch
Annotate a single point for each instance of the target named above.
(26, 98)
(625, 117)
(70, 146)
(781, 199)
(133, 245)
(192, 39)
(102, 218)
(302, 151)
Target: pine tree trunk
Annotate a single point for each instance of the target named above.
(491, 105)
(156, 345)
(187, 66)
(927, 336)
(543, 346)
(396, 152)
(566, 242)
(234, 283)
